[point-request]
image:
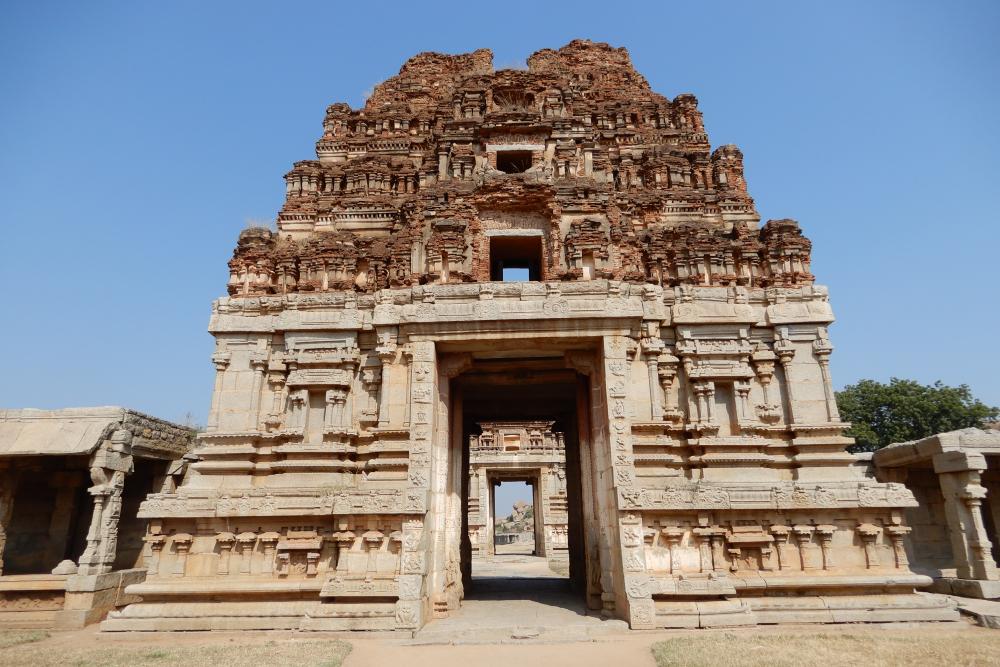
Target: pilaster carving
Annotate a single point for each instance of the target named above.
(225, 542)
(825, 533)
(869, 534)
(182, 547)
(221, 361)
(822, 349)
(898, 536)
(803, 539)
(781, 534)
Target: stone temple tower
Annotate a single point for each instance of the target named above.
(562, 244)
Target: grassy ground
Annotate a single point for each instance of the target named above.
(10, 638)
(871, 648)
(28, 648)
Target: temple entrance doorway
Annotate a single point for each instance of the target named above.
(530, 421)
(522, 507)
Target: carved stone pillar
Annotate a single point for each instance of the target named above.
(182, 547)
(705, 402)
(155, 543)
(982, 565)
(345, 540)
(743, 402)
(766, 557)
(388, 354)
(710, 401)
(822, 349)
(333, 415)
(786, 352)
(898, 536)
(371, 379)
(221, 361)
(269, 541)
(735, 556)
(258, 364)
(718, 551)
(666, 370)
(781, 534)
(803, 538)
(825, 533)
(674, 537)
(704, 537)
(102, 536)
(8, 484)
(226, 541)
(651, 348)
(869, 537)
(959, 477)
(276, 382)
(245, 543)
(763, 364)
(297, 404)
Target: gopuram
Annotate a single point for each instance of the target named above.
(518, 452)
(678, 346)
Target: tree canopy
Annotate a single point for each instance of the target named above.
(906, 410)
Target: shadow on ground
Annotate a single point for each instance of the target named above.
(516, 596)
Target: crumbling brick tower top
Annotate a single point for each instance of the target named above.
(574, 169)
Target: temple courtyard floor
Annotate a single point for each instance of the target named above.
(522, 614)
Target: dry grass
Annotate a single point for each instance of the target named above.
(233, 654)
(10, 638)
(871, 648)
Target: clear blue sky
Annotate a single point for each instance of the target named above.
(137, 138)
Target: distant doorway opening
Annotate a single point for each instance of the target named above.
(515, 518)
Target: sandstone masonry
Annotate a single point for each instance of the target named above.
(679, 347)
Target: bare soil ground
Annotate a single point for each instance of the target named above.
(871, 645)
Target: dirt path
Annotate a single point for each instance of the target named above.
(627, 652)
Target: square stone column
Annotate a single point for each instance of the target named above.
(959, 476)
(8, 484)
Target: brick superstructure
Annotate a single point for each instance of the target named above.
(607, 166)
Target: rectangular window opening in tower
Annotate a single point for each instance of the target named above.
(515, 258)
(513, 162)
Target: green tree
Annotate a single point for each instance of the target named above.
(903, 410)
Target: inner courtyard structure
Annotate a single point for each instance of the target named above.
(673, 348)
(518, 451)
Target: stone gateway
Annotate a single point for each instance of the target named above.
(679, 349)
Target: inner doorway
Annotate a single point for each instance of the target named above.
(515, 518)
